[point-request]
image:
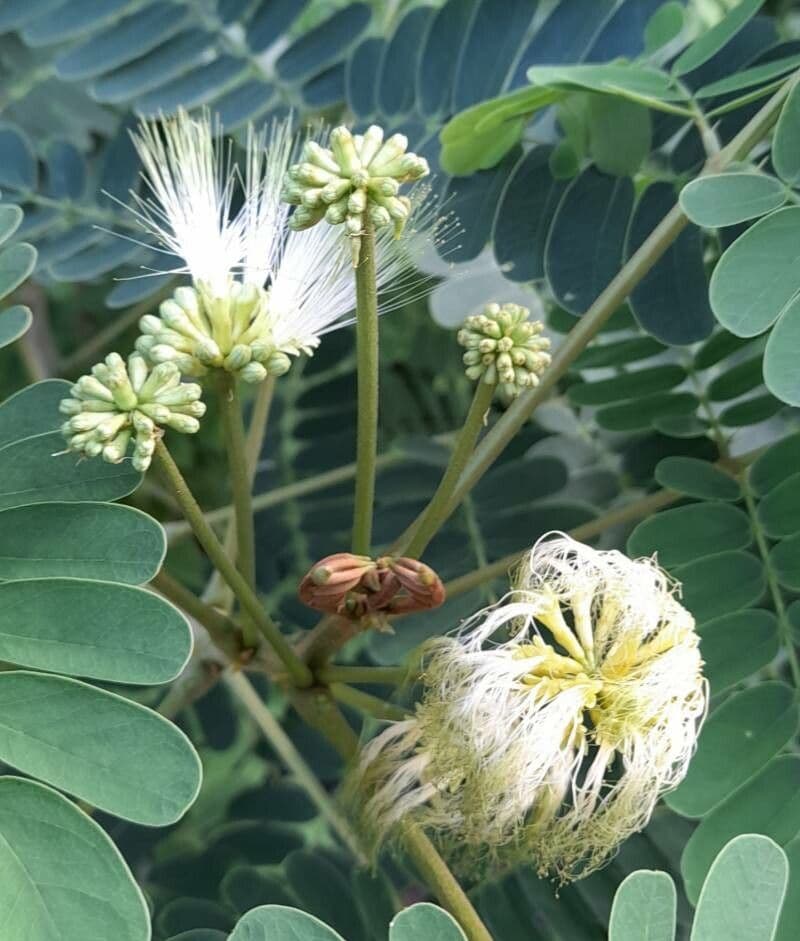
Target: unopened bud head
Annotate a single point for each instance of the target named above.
(123, 402)
(512, 351)
(354, 177)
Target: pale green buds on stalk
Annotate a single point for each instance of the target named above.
(118, 404)
(197, 330)
(358, 175)
(552, 723)
(505, 348)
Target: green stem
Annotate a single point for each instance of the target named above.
(415, 540)
(434, 872)
(365, 703)
(236, 446)
(615, 294)
(301, 488)
(386, 676)
(285, 748)
(222, 630)
(784, 625)
(624, 514)
(635, 510)
(367, 420)
(298, 671)
(319, 710)
(256, 431)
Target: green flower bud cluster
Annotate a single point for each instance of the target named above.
(197, 330)
(357, 176)
(505, 348)
(120, 403)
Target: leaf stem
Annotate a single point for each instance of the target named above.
(784, 625)
(298, 671)
(387, 676)
(286, 750)
(366, 703)
(615, 294)
(222, 630)
(416, 538)
(367, 419)
(616, 517)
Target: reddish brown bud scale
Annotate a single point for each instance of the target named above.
(370, 590)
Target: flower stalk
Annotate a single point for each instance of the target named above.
(320, 711)
(416, 538)
(298, 671)
(504, 349)
(236, 446)
(367, 358)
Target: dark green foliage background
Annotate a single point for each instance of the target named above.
(643, 409)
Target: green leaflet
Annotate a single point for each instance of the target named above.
(768, 804)
(63, 878)
(743, 893)
(425, 921)
(109, 751)
(94, 629)
(724, 199)
(279, 921)
(80, 540)
(710, 42)
(14, 323)
(644, 908)
(737, 741)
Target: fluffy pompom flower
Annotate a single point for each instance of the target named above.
(260, 293)
(552, 744)
(356, 176)
(120, 403)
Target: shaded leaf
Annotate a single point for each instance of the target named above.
(736, 742)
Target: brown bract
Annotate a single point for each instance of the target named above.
(359, 588)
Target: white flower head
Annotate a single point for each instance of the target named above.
(121, 403)
(260, 292)
(553, 743)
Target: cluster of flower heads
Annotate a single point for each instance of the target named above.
(119, 403)
(358, 176)
(504, 347)
(553, 743)
(261, 291)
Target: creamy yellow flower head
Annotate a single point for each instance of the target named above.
(551, 725)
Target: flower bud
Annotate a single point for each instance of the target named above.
(134, 401)
(355, 176)
(504, 347)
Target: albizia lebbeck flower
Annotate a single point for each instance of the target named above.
(260, 293)
(551, 725)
